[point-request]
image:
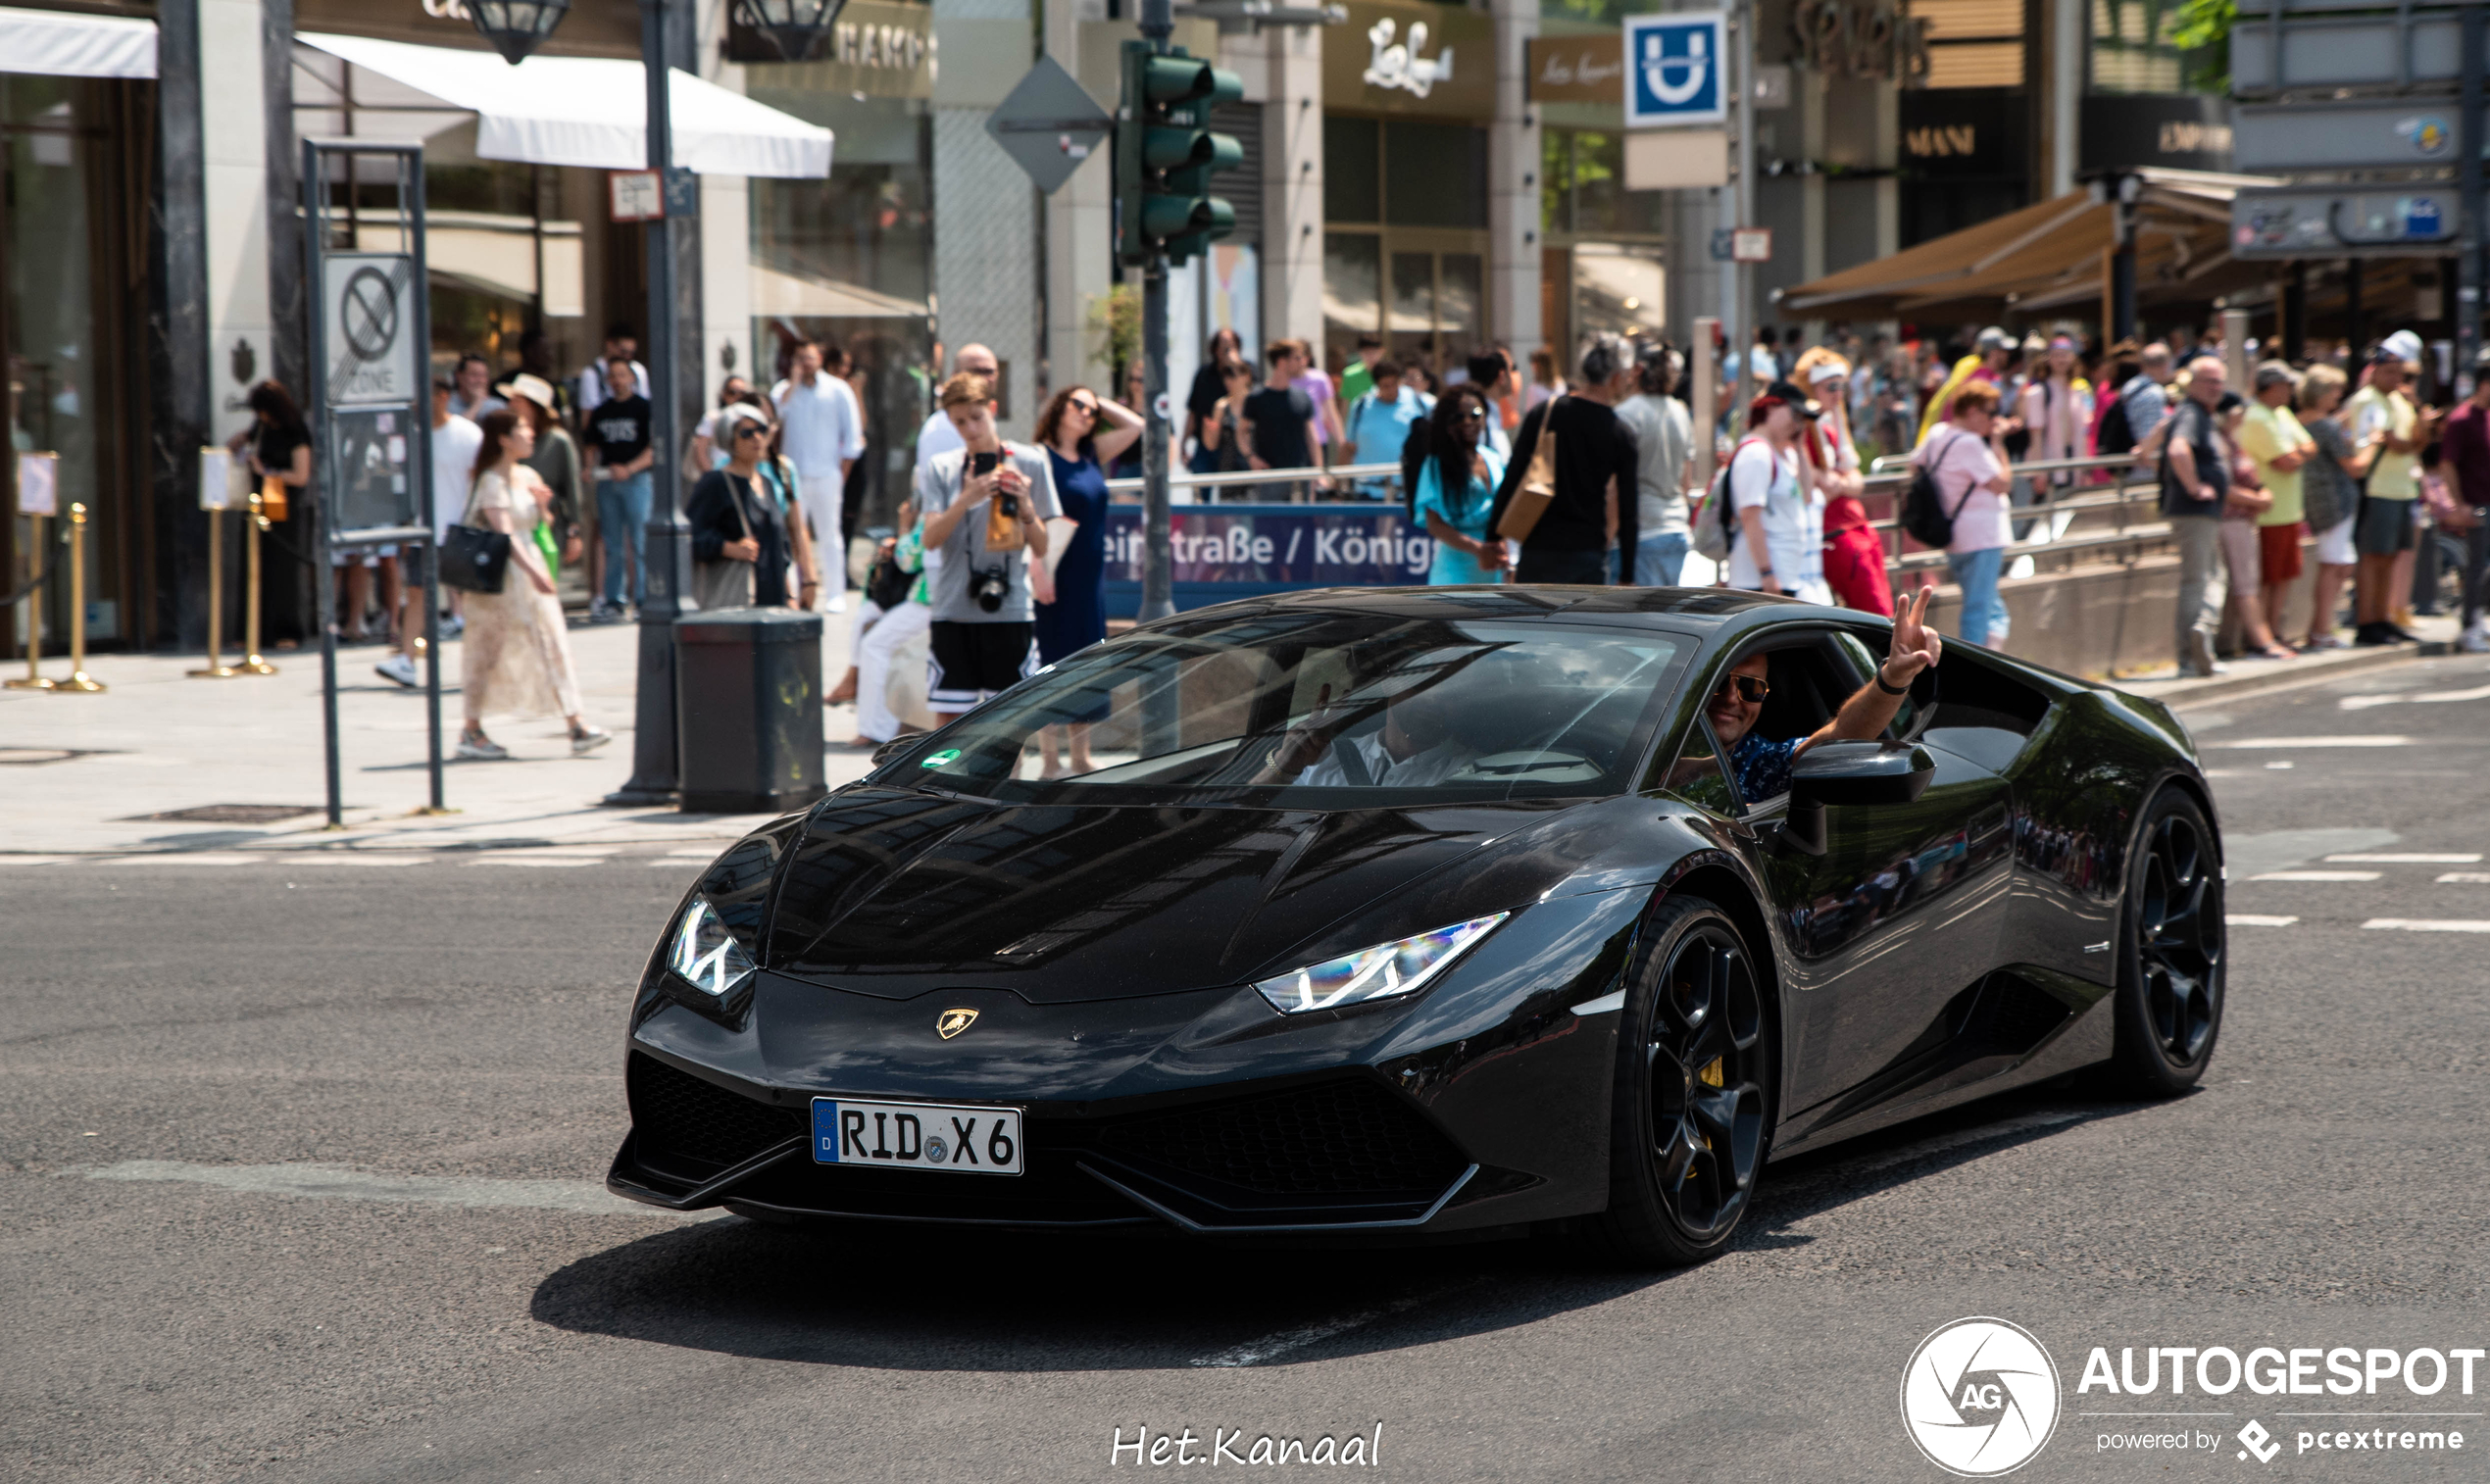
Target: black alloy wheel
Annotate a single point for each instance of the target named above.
(2170, 978)
(1694, 1084)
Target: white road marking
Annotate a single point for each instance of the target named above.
(2281, 766)
(2430, 925)
(2410, 858)
(337, 1182)
(1273, 1347)
(2387, 740)
(2427, 697)
(2465, 878)
(545, 862)
(697, 853)
(2256, 919)
(185, 858)
(2316, 875)
(35, 860)
(355, 858)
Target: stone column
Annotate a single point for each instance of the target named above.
(724, 334)
(1292, 186)
(1514, 187)
(1080, 214)
(987, 227)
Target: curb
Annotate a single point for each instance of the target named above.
(2180, 695)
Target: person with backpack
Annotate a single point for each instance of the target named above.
(1379, 423)
(2143, 400)
(1967, 471)
(1778, 504)
(2195, 465)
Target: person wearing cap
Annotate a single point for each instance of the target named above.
(2271, 436)
(731, 514)
(1779, 546)
(1663, 447)
(1965, 458)
(1987, 362)
(1593, 512)
(2388, 434)
(1854, 553)
(2467, 452)
(556, 462)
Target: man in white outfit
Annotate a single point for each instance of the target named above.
(825, 434)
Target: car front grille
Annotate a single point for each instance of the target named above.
(1332, 1139)
(692, 1129)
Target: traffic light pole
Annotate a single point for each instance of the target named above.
(1158, 521)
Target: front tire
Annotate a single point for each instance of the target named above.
(2174, 953)
(1695, 1085)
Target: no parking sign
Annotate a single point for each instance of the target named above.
(1674, 72)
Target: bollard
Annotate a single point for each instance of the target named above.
(79, 681)
(216, 669)
(252, 664)
(33, 677)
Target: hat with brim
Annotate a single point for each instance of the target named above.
(534, 389)
(1788, 395)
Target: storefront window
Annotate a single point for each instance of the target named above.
(1582, 187)
(1420, 278)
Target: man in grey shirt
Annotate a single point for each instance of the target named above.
(2146, 396)
(984, 633)
(1664, 441)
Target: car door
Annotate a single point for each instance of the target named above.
(1900, 915)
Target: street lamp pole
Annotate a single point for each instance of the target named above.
(665, 547)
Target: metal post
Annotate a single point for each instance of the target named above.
(2472, 134)
(1707, 403)
(664, 550)
(216, 668)
(254, 522)
(324, 573)
(2295, 313)
(411, 201)
(2122, 261)
(78, 680)
(2355, 317)
(1744, 20)
(1158, 585)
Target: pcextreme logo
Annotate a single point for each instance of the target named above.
(1981, 1397)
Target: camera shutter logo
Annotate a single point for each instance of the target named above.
(1981, 1397)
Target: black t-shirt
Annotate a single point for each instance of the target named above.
(1208, 388)
(618, 429)
(1280, 414)
(2191, 422)
(275, 446)
(1592, 447)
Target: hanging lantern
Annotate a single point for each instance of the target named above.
(796, 27)
(517, 27)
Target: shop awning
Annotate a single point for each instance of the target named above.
(58, 44)
(2048, 256)
(592, 111)
(778, 294)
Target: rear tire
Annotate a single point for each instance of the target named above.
(1695, 1083)
(2173, 952)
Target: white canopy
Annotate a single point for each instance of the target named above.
(58, 44)
(592, 111)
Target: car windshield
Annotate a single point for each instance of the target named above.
(1316, 709)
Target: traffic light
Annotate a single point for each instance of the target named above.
(1165, 156)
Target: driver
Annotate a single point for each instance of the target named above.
(1415, 747)
(1762, 764)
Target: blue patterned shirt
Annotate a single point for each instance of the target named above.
(1763, 766)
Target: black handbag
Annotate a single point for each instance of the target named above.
(474, 558)
(886, 583)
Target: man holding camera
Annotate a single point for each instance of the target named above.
(984, 506)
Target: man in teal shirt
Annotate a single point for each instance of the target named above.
(1379, 423)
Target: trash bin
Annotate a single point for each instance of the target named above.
(748, 694)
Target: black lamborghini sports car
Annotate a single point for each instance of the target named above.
(1504, 949)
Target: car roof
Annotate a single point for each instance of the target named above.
(1721, 610)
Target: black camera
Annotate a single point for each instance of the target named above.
(990, 588)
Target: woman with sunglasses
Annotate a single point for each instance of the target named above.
(1457, 488)
(733, 520)
(785, 488)
(1082, 433)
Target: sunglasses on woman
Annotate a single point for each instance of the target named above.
(1752, 687)
(1085, 409)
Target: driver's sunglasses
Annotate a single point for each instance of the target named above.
(1753, 688)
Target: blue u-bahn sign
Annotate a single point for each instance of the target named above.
(1675, 66)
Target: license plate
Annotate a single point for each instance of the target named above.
(931, 1136)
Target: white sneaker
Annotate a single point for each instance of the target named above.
(2475, 640)
(453, 626)
(836, 604)
(400, 668)
(590, 740)
(480, 749)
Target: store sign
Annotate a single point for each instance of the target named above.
(1957, 132)
(1242, 550)
(2380, 134)
(2291, 223)
(1398, 57)
(1867, 39)
(1578, 69)
(1674, 70)
(879, 48)
(2178, 132)
(587, 30)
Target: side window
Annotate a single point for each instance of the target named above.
(1983, 711)
(1697, 775)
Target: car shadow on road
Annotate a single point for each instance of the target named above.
(909, 1299)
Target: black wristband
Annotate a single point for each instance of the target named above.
(1890, 690)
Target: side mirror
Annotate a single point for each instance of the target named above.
(894, 748)
(1849, 774)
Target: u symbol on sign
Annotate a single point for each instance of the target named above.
(1657, 67)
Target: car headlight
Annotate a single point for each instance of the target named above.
(704, 954)
(1381, 972)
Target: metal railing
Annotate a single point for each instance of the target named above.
(2054, 511)
(1302, 477)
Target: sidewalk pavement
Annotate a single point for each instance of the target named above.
(89, 774)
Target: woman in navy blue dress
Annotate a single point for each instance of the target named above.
(1082, 432)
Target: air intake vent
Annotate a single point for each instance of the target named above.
(1340, 1138)
(692, 1128)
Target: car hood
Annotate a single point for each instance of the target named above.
(897, 893)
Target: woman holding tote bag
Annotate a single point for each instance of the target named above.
(515, 659)
(740, 547)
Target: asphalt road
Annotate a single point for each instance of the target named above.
(301, 1165)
